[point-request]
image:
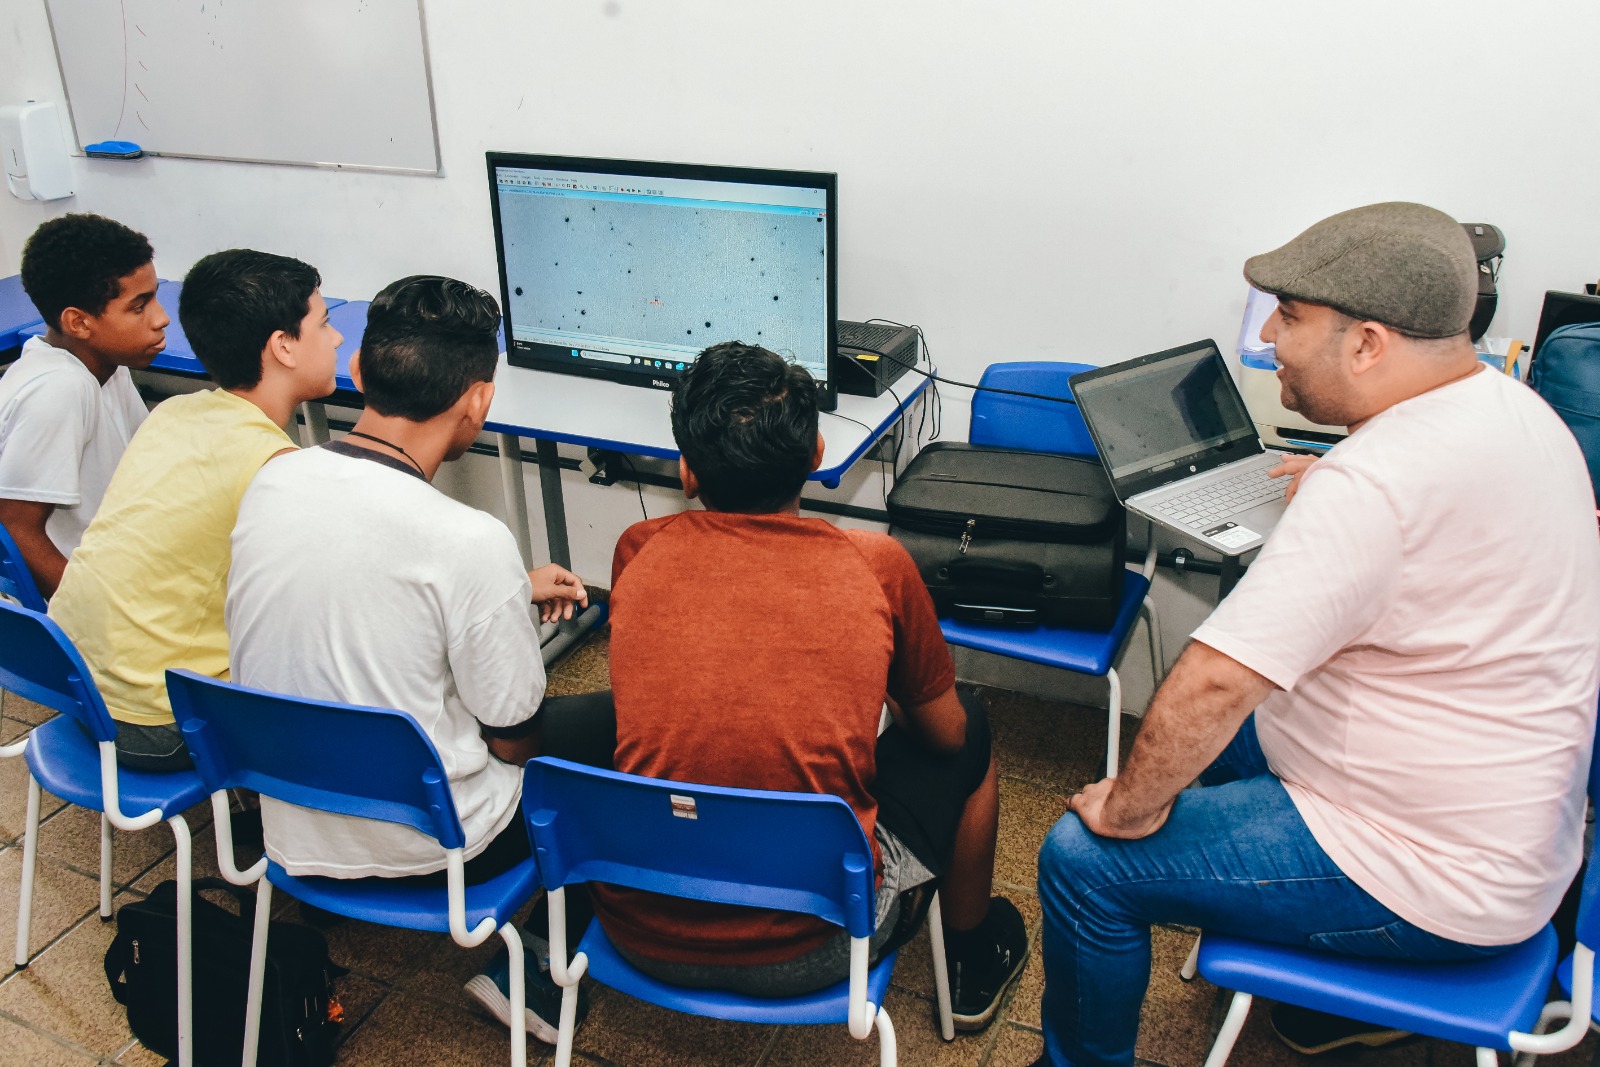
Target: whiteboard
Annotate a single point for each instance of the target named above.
(331, 83)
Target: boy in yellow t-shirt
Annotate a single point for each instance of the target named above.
(144, 590)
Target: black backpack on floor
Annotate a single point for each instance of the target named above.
(300, 1015)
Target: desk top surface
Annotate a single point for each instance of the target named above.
(635, 420)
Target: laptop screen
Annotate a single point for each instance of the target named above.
(1155, 417)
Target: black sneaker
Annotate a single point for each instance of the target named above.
(1311, 1033)
(979, 978)
(492, 989)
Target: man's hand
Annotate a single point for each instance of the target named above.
(1097, 807)
(555, 590)
(1291, 467)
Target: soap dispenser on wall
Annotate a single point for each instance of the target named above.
(35, 155)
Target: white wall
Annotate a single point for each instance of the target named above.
(1041, 179)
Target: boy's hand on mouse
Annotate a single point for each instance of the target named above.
(556, 590)
(1291, 467)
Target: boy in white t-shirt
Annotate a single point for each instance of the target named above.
(434, 619)
(68, 406)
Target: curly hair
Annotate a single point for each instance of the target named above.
(746, 423)
(79, 261)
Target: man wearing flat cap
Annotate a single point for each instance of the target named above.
(1419, 642)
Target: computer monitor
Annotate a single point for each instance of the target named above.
(628, 270)
(1563, 309)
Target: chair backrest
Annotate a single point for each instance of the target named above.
(15, 581)
(799, 852)
(38, 662)
(1004, 421)
(375, 763)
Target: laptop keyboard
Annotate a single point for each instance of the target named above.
(1203, 507)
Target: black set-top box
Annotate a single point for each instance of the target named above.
(872, 357)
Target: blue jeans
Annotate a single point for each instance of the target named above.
(1234, 857)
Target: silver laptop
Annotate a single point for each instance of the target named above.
(1178, 443)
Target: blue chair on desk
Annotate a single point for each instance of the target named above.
(74, 756)
(1003, 421)
(298, 751)
(801, 852)
(1494, 1004)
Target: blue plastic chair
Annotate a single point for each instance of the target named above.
(74, 756)
(801, 852)
(1494, 1004)
(305, 752)
(1005, 421)
(15, 580)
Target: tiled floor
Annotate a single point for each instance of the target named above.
(403, 995)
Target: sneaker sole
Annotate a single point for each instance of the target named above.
(1370, 1039)
(981, 1021)
(482, 989)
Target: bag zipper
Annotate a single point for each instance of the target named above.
(966, 539)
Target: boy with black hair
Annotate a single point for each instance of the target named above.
(68, 407)
(145, 588)
(436, 622)
(803, 635)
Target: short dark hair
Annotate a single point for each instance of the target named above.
(746, 423)
(79, 261)
(428, 340)
(234, 301)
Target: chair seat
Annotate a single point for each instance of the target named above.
(1083, 651)
(830, 1005)
(381, 900)
(1477, 1002)
(67, 763)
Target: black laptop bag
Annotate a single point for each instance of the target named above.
(1007, 536)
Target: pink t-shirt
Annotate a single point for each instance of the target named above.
(1430, 608)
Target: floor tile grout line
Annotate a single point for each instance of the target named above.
(53, 1036)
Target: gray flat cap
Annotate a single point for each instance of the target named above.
(1404, 265)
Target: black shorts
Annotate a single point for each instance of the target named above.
(921, 794)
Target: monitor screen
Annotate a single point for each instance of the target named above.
(628, 270)
(1151, 414)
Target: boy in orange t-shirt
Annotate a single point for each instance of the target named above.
(772, 669)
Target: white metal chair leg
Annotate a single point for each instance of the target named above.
(519, 997)
(1158, 661)
(105, 867)
(30, 854)
(569, 1025)
(941, 970)
(258, 972)
(1488, 1058)
(185, 858)
(1237, 1010)
(1192, 963)
(1113, 723)
(888, 1053)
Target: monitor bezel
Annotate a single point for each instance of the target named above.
(827, 393)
